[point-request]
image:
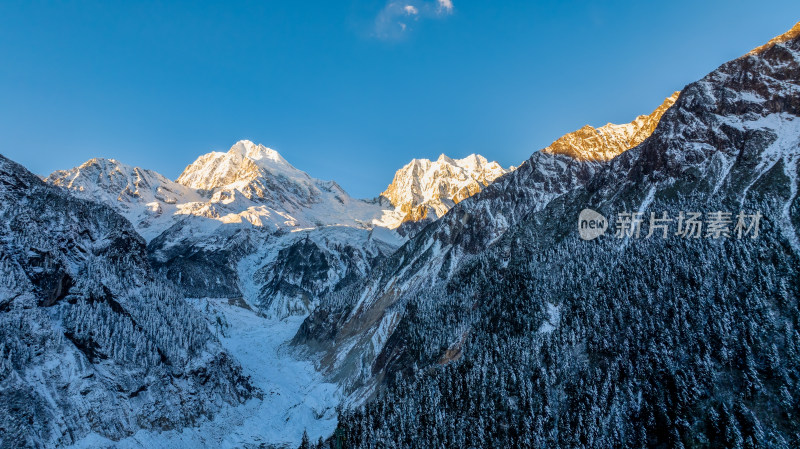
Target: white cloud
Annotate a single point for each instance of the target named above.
(392, 22)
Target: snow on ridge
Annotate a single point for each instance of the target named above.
(249, 184)
(424, 188)
(257, 152)
(146, 198)
(252, 184)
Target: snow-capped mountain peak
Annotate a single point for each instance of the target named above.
(251, 176)
(425, 188)
(250, 183)
(146, 198)
(101, 175)
(243, 163)
(258, 152)
(444, 158)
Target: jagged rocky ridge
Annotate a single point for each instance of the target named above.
(610, 140)
(497, 327)
(424, 190)
(91, 340)
(150, 201)
(248, 185)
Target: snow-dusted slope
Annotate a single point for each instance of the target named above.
(365, 316)
(638, 332)
(735, 129)
(150, 201)
(91, 340)
(428, 189)
(295, 396)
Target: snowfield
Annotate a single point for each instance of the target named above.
(295, 396)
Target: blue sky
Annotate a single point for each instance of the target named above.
(347, 90)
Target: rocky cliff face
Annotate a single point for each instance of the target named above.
(426, 190)
(92, 340)
(729, 140)
(529, 336)
(150, 201)
(290, 273)
(609, 141)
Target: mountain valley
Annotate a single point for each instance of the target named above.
(247, 303)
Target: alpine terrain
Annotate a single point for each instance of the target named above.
(497, 326)
(422, 191)
(93, 340)
(630, 285)
(247, 219)
(243, 225)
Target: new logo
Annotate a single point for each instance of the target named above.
(591, 224)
